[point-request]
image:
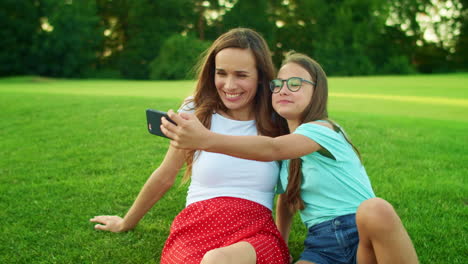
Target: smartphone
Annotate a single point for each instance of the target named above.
(153, 121)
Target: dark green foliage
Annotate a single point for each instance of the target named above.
(250, 14)
(150, 23)
(114, 18)
(72, 46)
(461, 48)
(431, 58)
(397, 65)
(200, 28)
(120, 38)
(392, 52)
(19, 21)
(340, 35)
(177, 58)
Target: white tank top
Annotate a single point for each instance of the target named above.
(216, 175)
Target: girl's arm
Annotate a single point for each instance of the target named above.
(160, 181)
(191, 134)
(284, 217)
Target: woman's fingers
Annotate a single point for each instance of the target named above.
(107, 223)
(175, 117)
(102, 220)
(171, 130)
(98, 219)
(168, 125)
(187, 132)
(186, 116)
(166, 129)
(100, 227)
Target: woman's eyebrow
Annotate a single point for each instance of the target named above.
(236, 71)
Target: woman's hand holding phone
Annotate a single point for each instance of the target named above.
(189, 133)
(153, 121)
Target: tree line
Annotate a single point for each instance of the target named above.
(162, 39)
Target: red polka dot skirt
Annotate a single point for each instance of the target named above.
(220, 222)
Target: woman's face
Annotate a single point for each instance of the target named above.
(236, 79)
(290, 105)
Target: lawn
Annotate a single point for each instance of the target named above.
(72, 149)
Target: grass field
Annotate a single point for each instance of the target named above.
(73, 149)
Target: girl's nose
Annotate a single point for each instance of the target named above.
(284, 89)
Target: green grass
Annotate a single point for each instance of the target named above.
(72, 149)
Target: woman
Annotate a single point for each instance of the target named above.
(322, 174)
(228, 214)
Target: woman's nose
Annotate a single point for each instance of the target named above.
(230, 82)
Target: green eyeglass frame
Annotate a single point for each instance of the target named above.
(293, 84)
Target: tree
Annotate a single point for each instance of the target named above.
(338, 34)
(177, 58)
(69, 44)
(114, 19)
(393, 52)
(71, 38)
(431, 58)
(203, 9)
(461, 46)
(150, 23)
(432, 25)
(249, 14)
(20, 23)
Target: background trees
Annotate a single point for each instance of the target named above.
(122, 38)
(70, 40)
(20, 24)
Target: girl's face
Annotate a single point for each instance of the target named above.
(290, 105)
(236, 80)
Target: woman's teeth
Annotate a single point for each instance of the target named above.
(232, 95)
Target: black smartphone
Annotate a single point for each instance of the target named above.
(153, 121)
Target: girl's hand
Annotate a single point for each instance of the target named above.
(109, 223)
(189, 133)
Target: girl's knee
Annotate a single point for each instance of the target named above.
(376, 215)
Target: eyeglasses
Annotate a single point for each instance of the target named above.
(293, 84)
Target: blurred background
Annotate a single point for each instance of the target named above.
(162, 39)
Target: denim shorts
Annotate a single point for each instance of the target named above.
(333, 241)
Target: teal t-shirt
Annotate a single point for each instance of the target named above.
(330, 187)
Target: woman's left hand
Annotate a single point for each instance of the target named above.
(189, 133)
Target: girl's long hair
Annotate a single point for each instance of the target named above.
(315, 110)
(206, 99)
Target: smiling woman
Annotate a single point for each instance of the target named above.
(229, 202)
(236, 80)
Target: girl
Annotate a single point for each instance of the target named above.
(327, 181)
(228, 215)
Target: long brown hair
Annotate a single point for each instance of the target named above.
(206, 99)
(315, 110)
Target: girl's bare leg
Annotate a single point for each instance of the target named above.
(382, 237)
